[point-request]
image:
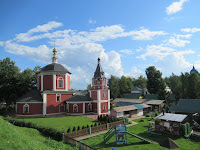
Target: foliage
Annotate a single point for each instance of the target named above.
(107, 119)
(113, 84)
(13, 137)
(148, 115)
(141, 82)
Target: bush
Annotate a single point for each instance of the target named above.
(92, 125)
(69, 130)
(83, 127)
(156, 113)
(78, 128)
(95, 124)
(148, 115)
(74, 129)
(129, 122)
(87, 126)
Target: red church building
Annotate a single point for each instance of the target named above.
(54, 96)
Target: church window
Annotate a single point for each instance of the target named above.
(104, 107)
(104, 94)
(26, 108)
(58, 97)
(67, 107)
(98, 81)
(89, 107)
(75, 108)
(60, 82)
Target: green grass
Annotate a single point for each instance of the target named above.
(134, 143)
(61, 123)
(21, 138)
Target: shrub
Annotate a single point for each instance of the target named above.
(87, 126)
(156, 113)
(78, 128)
(83, 127)
(69, 130)
(95, 124)
(92, 125)
(129, 122)
(74, 129)
(148, 115)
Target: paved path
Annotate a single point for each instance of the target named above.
(99, 133)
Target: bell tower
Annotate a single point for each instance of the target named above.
(99, 92)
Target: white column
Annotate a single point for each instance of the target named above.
(108, 101)
(44, 104)
(66, 82)
(54, 82)
(83, 108)
(98, 102)
(42, 82)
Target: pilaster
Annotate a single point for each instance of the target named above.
(44, 103)
(54, 82)
(42, 82)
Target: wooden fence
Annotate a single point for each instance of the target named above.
(75, 142)
(93, 129)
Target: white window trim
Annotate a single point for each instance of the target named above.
(59, 98)
(90, 107)
(60, 78)
(76, 106)
(25, 105)
(104, 107)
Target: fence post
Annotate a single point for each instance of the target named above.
(124, 121)
(90, 130)
(80, 142)
(63, 136)
(107, 126)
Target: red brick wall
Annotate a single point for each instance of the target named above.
(53, 105)
(94, 95)
(68, 82)
(94, 107)
(106, 104)
(34, 108)
(86, 108)
(47, 82)
(80, 108)
(106, 95)
(57, 76)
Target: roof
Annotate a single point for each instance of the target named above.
(55, 67)
(61, 92)
(79, 96)
(125, 108)
(155, 102)
(187, 106)
(194, 70)
(132, 95)
(99, 71)
(151, 96)
(136, 101)
(136, 89)
(32, 96)
(139, 106)
(172, 117)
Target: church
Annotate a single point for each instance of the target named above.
(53, 95)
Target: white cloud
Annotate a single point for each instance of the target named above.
(178, 42)
(186, 36)
(135, 72)
(1, 43)
(175, 7)
(92, 21)
(139, 49)
(191, 30)
(126, 51)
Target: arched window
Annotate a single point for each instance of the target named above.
(89, 107)
(104, 94)
(75, 108)
(60, 82)
(67, 107)
(104, 107)
(58, 97)
(26, 108)
(98, 81)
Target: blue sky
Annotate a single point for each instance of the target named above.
(129, 35)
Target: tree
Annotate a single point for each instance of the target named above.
(113, 84)
(89, 87)
(155, 83)
(9, 74)
(141, 82)
(193, 86)
(184, 81)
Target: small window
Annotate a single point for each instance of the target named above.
(60, 82)
(98, 81)
(104, 94)
(89, 107)
(58, 97)
(26, 108)
(104, 107)
(75, 108)
(67, 107)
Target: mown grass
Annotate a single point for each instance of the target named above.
(61, 123)
(21, 138)
(134, 143)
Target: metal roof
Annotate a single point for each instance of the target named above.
(55, 67)
(132, 95)
(80, 96)
(99, 71)
(136, 89)
(32, 96)
(138, 101)
(124, 108)
(155, 102)
(187, 106)
(172, 117)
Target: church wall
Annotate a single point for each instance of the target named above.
(68, 82)
(86, 107)
(94, 107)
(80, 108)
(34, 108)
(106, 95)
(47, 82)
(94, 95)
(106, 104)
(53, 105)
(57, 76)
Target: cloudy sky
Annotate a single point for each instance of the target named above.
(128, 35)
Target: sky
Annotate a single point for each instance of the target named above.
(128, 36)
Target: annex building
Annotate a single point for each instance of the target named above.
(54, 96)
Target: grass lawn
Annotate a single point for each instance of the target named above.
(134, 143)
(21, 138)
(61, 123)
